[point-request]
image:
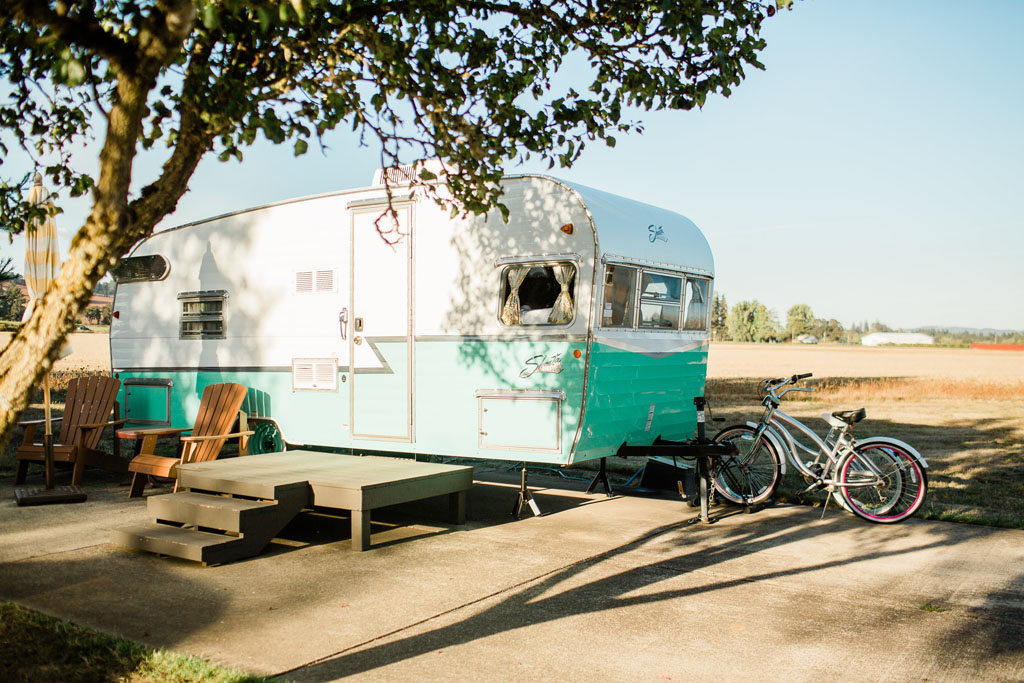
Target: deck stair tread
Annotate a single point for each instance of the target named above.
(188, 544)
(217, 501)
(210, 510)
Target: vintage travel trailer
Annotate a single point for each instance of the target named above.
(576, 327)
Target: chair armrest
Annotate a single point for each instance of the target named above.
(217, 436)
(112, 423)
(29, 423)
(152, 431)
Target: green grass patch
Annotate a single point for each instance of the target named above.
(36, 647)
(929, 607)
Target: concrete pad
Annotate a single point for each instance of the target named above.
(617, 589)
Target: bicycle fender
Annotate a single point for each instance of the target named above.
(776, 442)
(871, 440)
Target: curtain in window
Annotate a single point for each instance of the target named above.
(562, 310)
(510, 312)
(697, 310)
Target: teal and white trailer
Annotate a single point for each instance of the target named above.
(579, 325)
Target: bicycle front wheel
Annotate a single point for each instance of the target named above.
(882, 483)
(753, 475)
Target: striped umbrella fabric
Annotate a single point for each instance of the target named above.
(42, 252)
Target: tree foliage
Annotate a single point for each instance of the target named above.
(12, 302)
(751, 321)
(799, 320)
(719, 315)
(471, 82)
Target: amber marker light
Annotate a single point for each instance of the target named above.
(567, 228)
(576, 353)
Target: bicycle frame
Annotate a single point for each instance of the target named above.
(836, 444)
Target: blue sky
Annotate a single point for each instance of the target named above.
(874, 170)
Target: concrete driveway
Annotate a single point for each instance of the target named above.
(598, 588)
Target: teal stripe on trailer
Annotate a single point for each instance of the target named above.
(622, 387)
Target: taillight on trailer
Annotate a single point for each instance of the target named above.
(117, 314)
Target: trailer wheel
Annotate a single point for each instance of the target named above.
(266, 438)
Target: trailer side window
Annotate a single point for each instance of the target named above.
(538, 295)
(696, 304)
(619, 296)
(202, 314)
(140, 269)
(660, 297)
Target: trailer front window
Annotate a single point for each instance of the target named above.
(696, 304)
(538, 294)
(660, 297)
(619, 296)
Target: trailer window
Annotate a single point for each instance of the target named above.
(140, 269)
(619, 296)
(538, 295)
(202, 314)
(660, 297)
(696, 304)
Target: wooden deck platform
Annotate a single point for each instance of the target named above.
(215, 492)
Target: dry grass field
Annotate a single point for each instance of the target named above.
(962, 409)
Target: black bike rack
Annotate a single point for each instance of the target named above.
(701, 449)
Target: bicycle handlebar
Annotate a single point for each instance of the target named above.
(770, 386)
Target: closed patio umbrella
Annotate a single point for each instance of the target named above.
(42, 265)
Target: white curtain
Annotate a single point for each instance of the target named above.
(562, 310)
(510, 312)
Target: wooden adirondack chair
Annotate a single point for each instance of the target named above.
(219, 406)
(87, 411)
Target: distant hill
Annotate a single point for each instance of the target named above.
(967, 330)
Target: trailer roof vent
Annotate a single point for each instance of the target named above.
(407, 173)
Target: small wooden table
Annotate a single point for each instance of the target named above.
(148, 435)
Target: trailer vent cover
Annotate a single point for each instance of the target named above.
(309, 281)
(314, 374)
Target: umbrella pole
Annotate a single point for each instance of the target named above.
(48, 436)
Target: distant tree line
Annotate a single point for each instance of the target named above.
(752, 321)
(13, 301)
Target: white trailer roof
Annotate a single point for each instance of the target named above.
(640, 232)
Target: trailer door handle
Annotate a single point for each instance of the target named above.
(343, 323)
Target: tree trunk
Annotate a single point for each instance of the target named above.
(112, 228)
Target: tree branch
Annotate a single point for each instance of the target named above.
(73, 30)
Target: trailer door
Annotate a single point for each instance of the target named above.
(381, 337)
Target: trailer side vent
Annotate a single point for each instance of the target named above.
(309, 281)
(314, 374)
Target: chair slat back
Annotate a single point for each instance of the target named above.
(217, 411)
(89, 401)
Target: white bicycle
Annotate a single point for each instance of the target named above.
(880, 479)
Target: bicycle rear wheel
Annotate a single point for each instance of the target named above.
(882, 483)
(753, 475)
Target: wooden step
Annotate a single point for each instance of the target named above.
(206, 510)
(188, 544)
(256, 522)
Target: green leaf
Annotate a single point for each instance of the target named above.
(300, 147)
(211, 17)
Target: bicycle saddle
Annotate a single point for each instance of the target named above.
(850, 417)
